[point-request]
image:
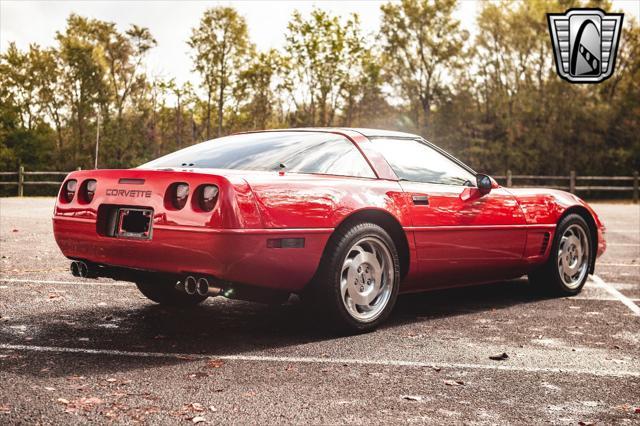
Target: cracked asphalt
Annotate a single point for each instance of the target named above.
(99, 352)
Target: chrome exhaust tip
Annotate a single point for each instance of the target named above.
(190, 285)
(79, 269)
(203, 287)
(75, 271)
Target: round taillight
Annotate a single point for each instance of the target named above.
(89, 190)
(208, 197)
(69, 190)
(180, 195)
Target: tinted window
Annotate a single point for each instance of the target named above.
(299, 152)
(415, 161)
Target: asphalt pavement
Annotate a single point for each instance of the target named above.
(99, 352)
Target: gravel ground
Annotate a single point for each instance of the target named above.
(98, 351)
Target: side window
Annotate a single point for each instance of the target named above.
(337, 156)
(417, 162)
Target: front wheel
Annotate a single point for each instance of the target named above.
(164, 292)
(358, 280)
(567, 268)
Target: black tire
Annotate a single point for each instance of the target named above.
(324, 293)
(548, 277)
(163, 292)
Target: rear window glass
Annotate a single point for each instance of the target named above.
(299, 152)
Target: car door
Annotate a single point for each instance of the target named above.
(461, 236)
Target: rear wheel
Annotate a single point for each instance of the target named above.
(163, 291)
(567, 268)
(358, 280)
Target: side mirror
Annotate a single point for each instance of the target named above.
(484, 184)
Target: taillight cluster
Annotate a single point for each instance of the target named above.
(205, 196)
(86, 193)
(89, 190)
(180, 195)
(69, 190)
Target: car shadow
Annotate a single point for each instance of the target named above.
(218, 327)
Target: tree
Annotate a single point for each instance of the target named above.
(221, 47)
(320, 53)
(423, 44)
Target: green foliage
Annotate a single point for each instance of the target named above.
(322, 54)
(221, 46)
(495, 100)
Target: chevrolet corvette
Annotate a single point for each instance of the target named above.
(345, 218)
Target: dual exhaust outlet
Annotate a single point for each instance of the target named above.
(200, 286)
(190, 284)
(79, 269)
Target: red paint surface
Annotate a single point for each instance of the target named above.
(460, 237)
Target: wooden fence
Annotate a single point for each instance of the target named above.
(573, 183)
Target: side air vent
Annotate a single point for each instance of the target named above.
(545, 243)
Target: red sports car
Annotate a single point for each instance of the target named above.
(345, 218)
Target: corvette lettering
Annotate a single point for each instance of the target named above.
(128, 193)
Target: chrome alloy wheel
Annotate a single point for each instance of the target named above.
(367, 279)
(573, 256)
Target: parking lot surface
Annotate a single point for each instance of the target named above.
(98, 351)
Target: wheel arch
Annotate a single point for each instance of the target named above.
(593, 229)
(387, 222)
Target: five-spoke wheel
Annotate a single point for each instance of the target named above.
(570, 259)
(367, 278)
(357, 283)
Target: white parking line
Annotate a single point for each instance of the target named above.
(21, 280)
(320, 360)
(615, 293)
(619, 264)
(123, 284)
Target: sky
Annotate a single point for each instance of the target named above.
(170, 22)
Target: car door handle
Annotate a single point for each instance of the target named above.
(420, 200)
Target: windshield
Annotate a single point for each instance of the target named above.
(297, 152)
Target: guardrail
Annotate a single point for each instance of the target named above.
(575, 183)
(567, 183)
(21, 182)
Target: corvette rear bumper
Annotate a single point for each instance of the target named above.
(236, 255)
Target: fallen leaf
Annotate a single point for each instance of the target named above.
(436, 369)
(198, 419)
(499, 357)
(5, 409)
(50, 389)
(215, 363)
(586, 423)
(112, 380)
(14, 230)
(196, 406)
(637, 410)
(213, 409)
(454, 382)
(412, 398)
(63, 401)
